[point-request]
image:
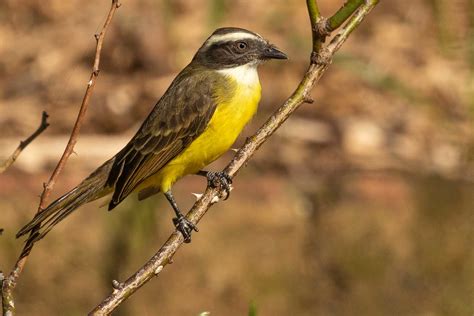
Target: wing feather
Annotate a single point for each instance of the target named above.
(178, 118)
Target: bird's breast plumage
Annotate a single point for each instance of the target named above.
(237, 94)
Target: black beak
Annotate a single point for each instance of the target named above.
(271, 52)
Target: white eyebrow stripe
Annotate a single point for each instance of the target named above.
(231, 37)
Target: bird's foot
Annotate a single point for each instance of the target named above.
(185, 227)
(220, 179)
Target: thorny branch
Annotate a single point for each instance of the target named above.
(10, 282)
(10, 160)
(356, 10)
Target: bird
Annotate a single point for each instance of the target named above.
(196, 121)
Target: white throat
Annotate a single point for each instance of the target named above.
(245, 74)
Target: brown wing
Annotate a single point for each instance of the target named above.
(178, 118)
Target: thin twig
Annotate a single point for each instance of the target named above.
(10, 282)
(82, 111)
(10, 160)
(323, 27)
(155, 265)
(343, 14)
(315, 19)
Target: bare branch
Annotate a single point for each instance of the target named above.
(82, 111)
(10, 160)
(10, 282)
(164, 255)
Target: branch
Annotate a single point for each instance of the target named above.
(10, 282)
(10, 160)
(165, 254)
(343, 14)
(323, 27)
(315, 19)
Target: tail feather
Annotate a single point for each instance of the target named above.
(92, 188)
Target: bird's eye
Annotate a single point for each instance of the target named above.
(242, 45)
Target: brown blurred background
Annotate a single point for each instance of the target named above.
(362, 204)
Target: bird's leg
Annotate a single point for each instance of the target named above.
(218, 179)
(183, 225)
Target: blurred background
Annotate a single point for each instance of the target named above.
(361, 204)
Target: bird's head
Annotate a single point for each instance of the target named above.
(232, 47)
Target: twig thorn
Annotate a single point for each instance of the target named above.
(117, 285)
(197, 195)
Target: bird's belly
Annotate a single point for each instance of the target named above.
(223, 129)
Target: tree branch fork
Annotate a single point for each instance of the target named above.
(24, 143)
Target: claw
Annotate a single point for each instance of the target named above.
(220, 180)
(185, 227)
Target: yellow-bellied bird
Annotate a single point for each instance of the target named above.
(196, 121)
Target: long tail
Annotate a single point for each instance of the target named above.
(92, 188)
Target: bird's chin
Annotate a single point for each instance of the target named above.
(255, 63)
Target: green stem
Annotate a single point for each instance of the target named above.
(314, 13)
(343, 14)
(315, 18)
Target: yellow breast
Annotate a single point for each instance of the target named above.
(233, 112)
